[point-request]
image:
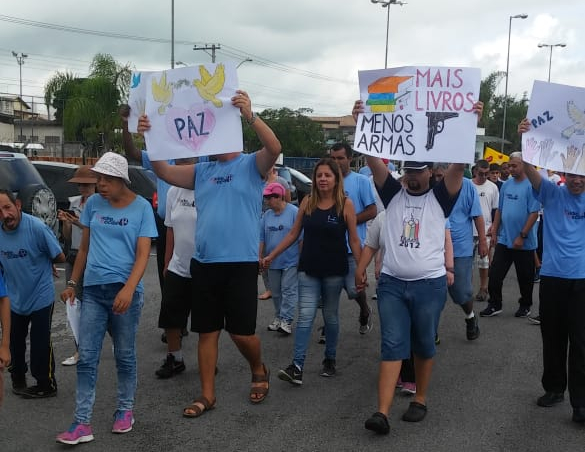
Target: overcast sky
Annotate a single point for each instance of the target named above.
(319, 45)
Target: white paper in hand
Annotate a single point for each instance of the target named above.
(73, 316)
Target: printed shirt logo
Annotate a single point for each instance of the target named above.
(220, 180)
(512, 197)
(333, 219)
(111, 220)
(410, 232)
(21, 253)
(575, 215)
(186, 203)
(280, 227)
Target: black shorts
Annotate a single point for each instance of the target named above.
(225, 295)
(176, 301)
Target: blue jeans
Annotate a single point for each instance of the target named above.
(284, 284)
(409, 316)
(96, 318)
(311, 290)
(462, 289)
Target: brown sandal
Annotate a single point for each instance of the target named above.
(195, 410)
(259, 393)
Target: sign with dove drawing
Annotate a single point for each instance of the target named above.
(191, 112)
(556, 139)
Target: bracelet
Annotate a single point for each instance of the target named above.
(72, 284)
(252, 119)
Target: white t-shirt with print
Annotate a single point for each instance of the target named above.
(181, 215)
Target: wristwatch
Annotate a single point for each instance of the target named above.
(523, 235)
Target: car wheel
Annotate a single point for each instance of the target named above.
(39, 201)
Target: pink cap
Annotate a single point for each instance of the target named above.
(274, 188)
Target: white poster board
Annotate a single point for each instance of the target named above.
(191, 112)
(419, 113)
(556, 139)
(137, 98)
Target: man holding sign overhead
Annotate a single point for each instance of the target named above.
(412, 288)
(562, 275)
(224, 268)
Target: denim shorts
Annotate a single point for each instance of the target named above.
(462, 289)
(409, 316)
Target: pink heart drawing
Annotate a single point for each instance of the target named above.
(192, 127)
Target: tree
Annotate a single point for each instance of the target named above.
(493, 112)
(87, 107)
(298, 134)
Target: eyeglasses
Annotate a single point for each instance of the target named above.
(271, 196)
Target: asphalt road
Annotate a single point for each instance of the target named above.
(482, 395)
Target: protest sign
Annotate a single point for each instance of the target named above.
(191, 112)
(418, 113)
(493, 156)
(556, 139)
(137, 98)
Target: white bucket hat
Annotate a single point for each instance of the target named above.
(112, 164)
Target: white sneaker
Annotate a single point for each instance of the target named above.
(274, 325)
(285, 327)
(71, 361)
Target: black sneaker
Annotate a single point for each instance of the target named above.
(328, 368)
(292, 374)
(18, 384)
(472, 328)
(38, 392)
(490, 311)
(170, 367)
(550, 399)
(378, 422)
(522, 312)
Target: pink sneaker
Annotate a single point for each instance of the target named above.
(77, 433)
(399, 383)
(123, 421)
(408, 388)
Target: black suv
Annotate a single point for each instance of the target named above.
(56, 175)
(20, 176)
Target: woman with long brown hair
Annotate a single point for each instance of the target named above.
(324, 218)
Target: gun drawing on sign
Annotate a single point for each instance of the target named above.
(436, 124)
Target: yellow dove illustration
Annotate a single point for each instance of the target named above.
(162, 92)
(211, 85)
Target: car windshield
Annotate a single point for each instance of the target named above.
(300, 176)
(16, 173)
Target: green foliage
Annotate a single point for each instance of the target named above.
(298, 134)
(87, 107)
(493, 113)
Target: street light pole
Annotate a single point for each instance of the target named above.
(20, 60)
(172, 34)
(247, 60)
(517, 16)
(550, 46)
(386, 4)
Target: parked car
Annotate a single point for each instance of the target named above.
(56, 175)
(20, 176)
(299, 183)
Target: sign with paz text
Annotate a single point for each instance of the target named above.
(191, 113)
(418, 113)
(556, 139)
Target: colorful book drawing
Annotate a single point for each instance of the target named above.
(387, 94)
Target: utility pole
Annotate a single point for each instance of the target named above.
(20, 60)
(212, 47)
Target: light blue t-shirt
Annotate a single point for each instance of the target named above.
(113, 235)
(26, 255)
(228, 198)
(517, 202)
(162, 187)
(3, 292)
(465, 209)
(273, 228)
(563, 232)
(359, 189)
